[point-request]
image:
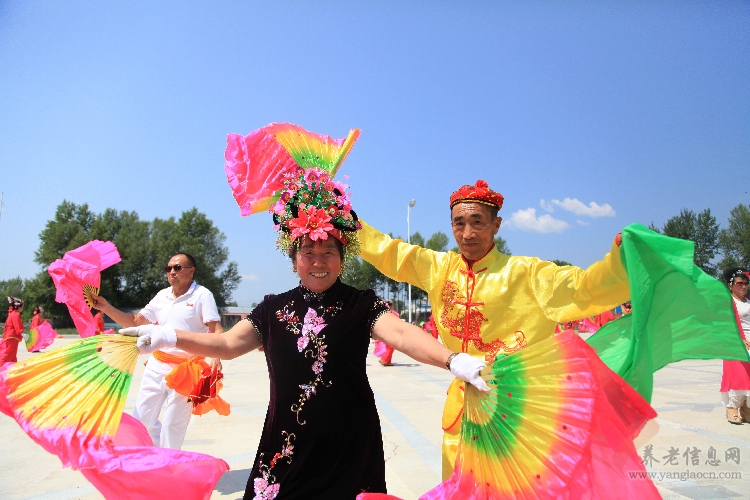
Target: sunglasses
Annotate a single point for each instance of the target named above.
(177, 268)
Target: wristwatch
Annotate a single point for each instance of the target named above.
(450, 358)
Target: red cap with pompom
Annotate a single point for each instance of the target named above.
(478, 193)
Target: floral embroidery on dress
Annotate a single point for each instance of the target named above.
(312, 344)
(266, 487)
(309, 336)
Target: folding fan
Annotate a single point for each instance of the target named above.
(77, 275)
(40, 337)
(257, 163)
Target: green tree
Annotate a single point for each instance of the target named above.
(702, 229)
(562, 262)
(145, 248)
(502, 245)
(438, 242)
(734, 240)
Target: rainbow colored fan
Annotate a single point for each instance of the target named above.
(71, 399)
(70, 402)
(556, 424)
(40, 337)
(257, 163)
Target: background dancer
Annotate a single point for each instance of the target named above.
(735, 377)
(13, 332)
(383, 351)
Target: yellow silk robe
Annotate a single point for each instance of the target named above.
(500, 304)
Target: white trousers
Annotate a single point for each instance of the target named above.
(735, 398)
(151, 397)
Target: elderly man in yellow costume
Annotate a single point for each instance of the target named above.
(486, 303)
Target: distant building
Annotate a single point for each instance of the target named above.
(230, 316)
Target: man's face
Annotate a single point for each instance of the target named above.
(318, 264)
(474, 229)
(183, 276)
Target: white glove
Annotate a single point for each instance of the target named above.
(152, 337)
(466, 368)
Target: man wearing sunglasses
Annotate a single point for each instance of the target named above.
(185, 305)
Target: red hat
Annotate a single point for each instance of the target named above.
(478, 193)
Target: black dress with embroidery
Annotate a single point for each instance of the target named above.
(322, 434)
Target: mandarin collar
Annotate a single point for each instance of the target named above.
(489, 258)
(311, 296)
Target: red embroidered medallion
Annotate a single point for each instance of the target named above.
(465, 323)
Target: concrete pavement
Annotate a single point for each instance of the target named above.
(410, 397)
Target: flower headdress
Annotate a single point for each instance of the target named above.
(733, 272)
(14, 303)
(314, 205)
(289, 171)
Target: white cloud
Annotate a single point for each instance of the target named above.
(547, 206)
(583, 222)
(249, 277)
(579, 208)
(526, 220)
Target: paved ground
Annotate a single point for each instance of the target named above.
(410, 398)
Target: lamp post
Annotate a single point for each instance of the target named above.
(408, 240)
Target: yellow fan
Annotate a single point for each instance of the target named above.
(88, 291)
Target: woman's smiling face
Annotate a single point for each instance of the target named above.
(318, 263)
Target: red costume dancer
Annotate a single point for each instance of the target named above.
(383, 350)
(605, 318)
(735, 377)
(36, 319)
(430, 327)
(99, 322)
(13, 333)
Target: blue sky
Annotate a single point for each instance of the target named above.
(641, 108)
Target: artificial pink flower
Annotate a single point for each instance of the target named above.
(314, 223)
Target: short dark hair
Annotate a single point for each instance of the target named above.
(734, 272)
(189, 258)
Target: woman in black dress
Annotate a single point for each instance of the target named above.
(321, 438)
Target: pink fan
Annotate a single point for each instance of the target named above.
(257, 163)
(80, 269)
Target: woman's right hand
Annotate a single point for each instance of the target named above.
(152, 337)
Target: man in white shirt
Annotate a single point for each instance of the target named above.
(185, 305)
